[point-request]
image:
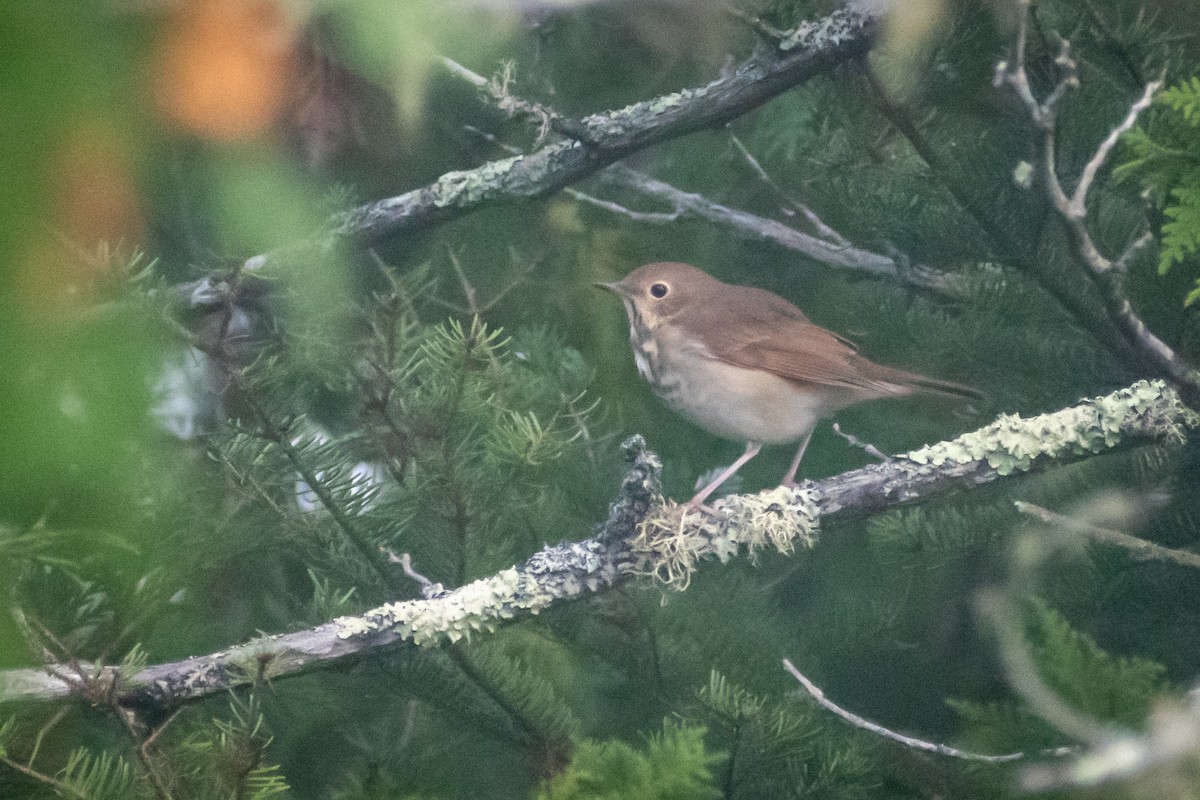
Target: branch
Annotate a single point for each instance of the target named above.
(1139, 549)
(815, 692)
(1172, 741)
(644, 537)
(1089, 316)
(827, 246)
(604, 138)
(829, 251)
(1107, 275)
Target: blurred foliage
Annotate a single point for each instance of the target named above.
(1118, 690)
(179, 471)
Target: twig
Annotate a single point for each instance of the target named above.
(795, 205)
(497, 90)
(654, 217)
(879, 730)
(854, 441)
(772, 35)
(1139, 549)
(1106, 275)
(59, 786)
(158, 781)
(428, 587)
(41, 734)
(467, 289)
(756, 228)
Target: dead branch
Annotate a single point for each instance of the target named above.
(815, 693)
(1106, 274)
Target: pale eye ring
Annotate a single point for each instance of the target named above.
(659, 290)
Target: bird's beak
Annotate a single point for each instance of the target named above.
(616, 288)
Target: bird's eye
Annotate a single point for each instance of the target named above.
(659, 290)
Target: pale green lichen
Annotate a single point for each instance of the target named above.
(829, 31)
(1011, 444)
(553, 574)
(614, 124)
(466, 187)
(672, 540)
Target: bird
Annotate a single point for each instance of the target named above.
(745, 364)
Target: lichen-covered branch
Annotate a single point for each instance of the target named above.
(644, 536)
(604, 138)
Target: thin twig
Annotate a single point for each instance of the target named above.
(41, 734)
(879, 730)
(158, 781)
(61, 787)
(1079, 198)
(795, 205)
(1139, 549)
(1105, 274)
(467, 289)
(428, 587)
(871, 449)
(653, 217)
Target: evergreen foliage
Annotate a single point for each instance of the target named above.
(1164, 158)
(674, 766)
(182, 468)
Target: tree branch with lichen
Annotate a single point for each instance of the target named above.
(591, 143)
(643, 536)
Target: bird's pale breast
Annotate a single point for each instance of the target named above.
(726, 400)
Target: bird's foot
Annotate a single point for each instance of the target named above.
(697, 504)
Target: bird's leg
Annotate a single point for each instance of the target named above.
(752, 449)
(789, 480)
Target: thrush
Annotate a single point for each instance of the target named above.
(745, 364)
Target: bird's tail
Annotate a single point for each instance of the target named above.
(906, 382)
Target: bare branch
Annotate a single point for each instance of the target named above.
(917, 744)
(854, 441)
(756, 228)
(1079, 198)
(1172, 741)
(1139, 549)
(791, 203)
(653, 217)
(1105, 274)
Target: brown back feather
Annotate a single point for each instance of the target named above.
(760, 330)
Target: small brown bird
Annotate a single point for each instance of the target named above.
(745, 364)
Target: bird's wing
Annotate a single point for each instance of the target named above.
(803, 353)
